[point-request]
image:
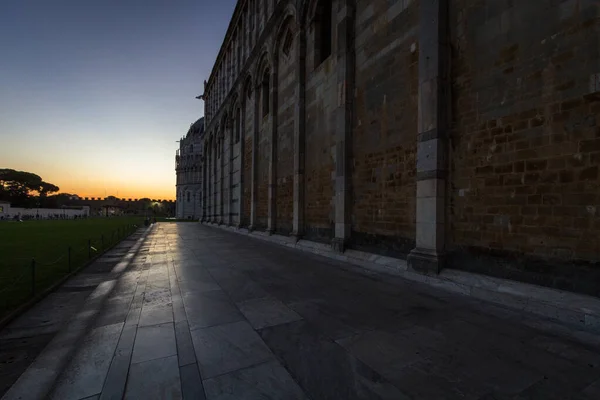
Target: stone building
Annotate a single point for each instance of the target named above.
(460, 134)
(188, 168)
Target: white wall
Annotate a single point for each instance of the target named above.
(192, 208)
(9, 212)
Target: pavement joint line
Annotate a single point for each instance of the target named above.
(41, 375)
(245, 368)
(118, 372)
(180, 340)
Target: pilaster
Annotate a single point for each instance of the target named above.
(432, 140)
(221, 151)
(343, 127)
(242, 158)
(229, 216)
(254, 172)
(272, 206)
(299, 135)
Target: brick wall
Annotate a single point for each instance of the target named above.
(285, 140)
(525, 146)
(385, 126)
(320, 97)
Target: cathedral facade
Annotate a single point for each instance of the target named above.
(188, 167)
(449, 133)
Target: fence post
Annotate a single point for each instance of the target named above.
(69, 258)
(32, 277)
(89, 249)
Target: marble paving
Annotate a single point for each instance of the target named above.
(201, 313)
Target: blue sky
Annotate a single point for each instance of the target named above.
(94, 93)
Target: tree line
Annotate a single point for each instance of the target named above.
(26, 189)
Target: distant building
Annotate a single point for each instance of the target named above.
(188, 168)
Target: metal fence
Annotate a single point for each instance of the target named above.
(35, 275)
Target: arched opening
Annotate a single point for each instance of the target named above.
(323, 31)
(286, 48)
(248, 89)
(265, 91)
(238, 124)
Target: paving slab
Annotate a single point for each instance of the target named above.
(266, 312)
(205, 309)
(264, 381)
(84, 376)
(229, 347)
(155, 379)
(152, 342)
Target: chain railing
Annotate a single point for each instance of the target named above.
(43, 274)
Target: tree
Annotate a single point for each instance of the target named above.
(18, 187)
(44, 190)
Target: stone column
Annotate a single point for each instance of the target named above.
(299, 135)
(214, 178)
(203, 184)
(272, 206)
(230, 175)
(432, 143)
(254, 183)
(222, 176)
(343, 127)
(208, 179)
(242, 157)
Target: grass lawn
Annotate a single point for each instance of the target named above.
(48, 243)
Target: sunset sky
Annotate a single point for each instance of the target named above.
(95, 93)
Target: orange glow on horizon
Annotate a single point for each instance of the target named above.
(127, 192)
(142, 170)
(100, 185)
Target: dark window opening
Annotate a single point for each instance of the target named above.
(266, 88)
(238, 125)
(188, 197)
(248, 91)
(323, 31)
(287, 44)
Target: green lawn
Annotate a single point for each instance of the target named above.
(48, 243)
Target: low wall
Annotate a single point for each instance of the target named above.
(9, 212)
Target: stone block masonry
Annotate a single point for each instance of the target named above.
(525, 148)
(447, 133)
